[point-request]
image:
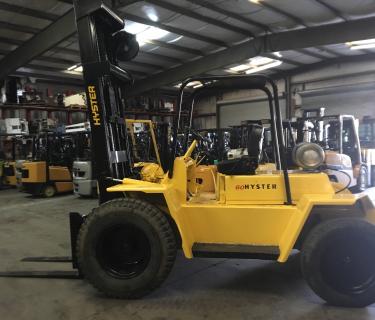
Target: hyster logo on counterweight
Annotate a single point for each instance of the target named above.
(94, 105)
(256, 186)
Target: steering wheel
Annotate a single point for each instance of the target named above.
(196, 135)
(202, 153)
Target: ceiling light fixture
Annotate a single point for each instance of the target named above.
(240, 67)
(153, 17)
(76, 68)
(264, 67)
(72, 68)
(175, 39)
(194, 84)
(198, 85)
(361, 44)
(255, 64)
(144, 32)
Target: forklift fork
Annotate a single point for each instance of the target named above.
(75, 220)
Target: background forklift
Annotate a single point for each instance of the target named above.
(339, 138)
(16, 149)
(127, 246)
(49, 172)
(367, 140)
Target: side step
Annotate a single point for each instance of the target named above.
(239, 251)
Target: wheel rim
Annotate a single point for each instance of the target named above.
(123, 251)
(49, 191)
(348, 263)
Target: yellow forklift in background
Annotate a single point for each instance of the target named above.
(50, 171)
(16, 149)
(8, 159)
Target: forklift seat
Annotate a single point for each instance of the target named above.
(247, 164)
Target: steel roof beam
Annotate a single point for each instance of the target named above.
(282, 13)
(212, 7)
(66, 80)
(331, 52)
(18, 28)
(331, 8)
(46, 58)
(176, 47)
(175, 30)
(289, 40)
(330, 62)
(197, 16)
(28, 12)
(312, 54)
(161, 57)
(282, 59)
(49, 37)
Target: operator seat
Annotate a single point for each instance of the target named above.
(247, 164)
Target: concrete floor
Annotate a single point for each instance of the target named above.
(196, 289)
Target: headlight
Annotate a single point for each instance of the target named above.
(308, 156)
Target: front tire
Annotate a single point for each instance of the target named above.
(49, 191)
(338, 262)
(126, 248)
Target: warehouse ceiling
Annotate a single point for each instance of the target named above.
(181, 38)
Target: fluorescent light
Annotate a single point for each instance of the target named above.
(255, 1)
(264, 67)
(150, 12)
(256, 64)
(72, 68)
(277, 54)
(144, 32)
(198, 85)
(175, 39)
(240, 67)
(135, 27)
(76, 68)
(153, 17)
(361, 44)
(259, 61)
(194, 84)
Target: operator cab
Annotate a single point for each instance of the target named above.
(247, 163)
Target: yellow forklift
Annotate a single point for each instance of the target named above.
(16, 148)
(50, 171)
(8, 159)
(127, 246)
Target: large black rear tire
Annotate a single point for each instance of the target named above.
(126, 248)
(338, 262)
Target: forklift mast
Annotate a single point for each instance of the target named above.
(103, 42)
